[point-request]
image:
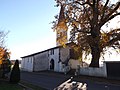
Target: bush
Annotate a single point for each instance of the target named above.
(5, 68)
(15, 73)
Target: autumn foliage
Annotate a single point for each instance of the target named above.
(4, 55)
(5, 65)
(85, 19)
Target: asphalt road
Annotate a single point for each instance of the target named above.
(50, 80)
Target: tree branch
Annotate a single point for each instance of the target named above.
(82, 30)
(88, 16)
(116, 38)
(87, 2)
(110, 18)
(94, 1)
(111, 42)
(114, 10)
(106, 4)
(113, 16)
(104, 9)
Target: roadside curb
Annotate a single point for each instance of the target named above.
(25, 87)
(56, 74)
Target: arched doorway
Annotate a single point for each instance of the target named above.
(52, 64)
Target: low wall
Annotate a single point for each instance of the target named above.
(99, 72)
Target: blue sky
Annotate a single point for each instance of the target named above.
(29, 24)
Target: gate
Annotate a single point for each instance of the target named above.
(113, 69)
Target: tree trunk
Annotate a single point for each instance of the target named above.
(95, 51)
(95, 47)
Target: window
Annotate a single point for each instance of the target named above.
(52, 52)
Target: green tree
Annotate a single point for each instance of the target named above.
(15, 73)
(85, 19)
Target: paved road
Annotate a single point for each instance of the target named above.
(50, 80)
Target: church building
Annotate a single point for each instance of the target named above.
(56, 58)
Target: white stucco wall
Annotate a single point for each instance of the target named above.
(41, 61)
(27, 64)
(55, 57)
(60, 53)
(100, 72)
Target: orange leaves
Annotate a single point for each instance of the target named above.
(104, 40)
(61, 25)
(2, 51)
(76, 24)
(0, 62)
(110, 39)
(1, 55)
(4, 55)
(61, 28)
(105, 37)
(61, 37)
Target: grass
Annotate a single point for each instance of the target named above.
(5, 85)
(34, 87)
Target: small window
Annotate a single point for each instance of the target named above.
(52, 52)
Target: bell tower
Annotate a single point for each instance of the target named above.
(61, 32)
(61, 37)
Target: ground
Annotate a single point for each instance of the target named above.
(51, 80)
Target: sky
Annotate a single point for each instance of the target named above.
(29, 25)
